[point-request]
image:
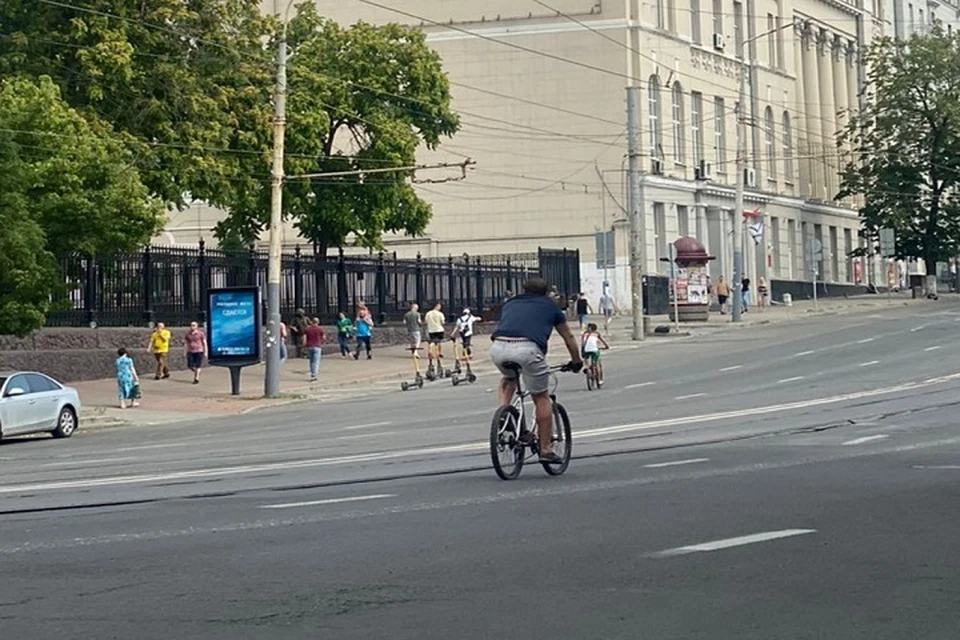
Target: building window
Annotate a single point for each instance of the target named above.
(719, 133)
(912, 24)
(718, 17)
(683, 220)
(775, 241)
(787, 148)
(738, 33)
(661, 14)
(769, 130)
(695, 34)
(677, 113)
(660, 231)
(696, 126)
(653, 105)
(771, 41)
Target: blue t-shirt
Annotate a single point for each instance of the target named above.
(363, 329)
(529, 316)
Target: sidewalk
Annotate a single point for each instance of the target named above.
(176, 399)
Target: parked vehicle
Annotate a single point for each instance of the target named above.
(32, 402)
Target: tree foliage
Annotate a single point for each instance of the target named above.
(66, 184)
(187, 84)
(907, 145)
(360, 98)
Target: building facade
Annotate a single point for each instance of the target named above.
(540, 87)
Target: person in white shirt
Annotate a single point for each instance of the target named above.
(590, 343)
(435, 321)
(464, 328)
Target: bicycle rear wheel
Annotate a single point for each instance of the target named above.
(562, 441)
(590, 380)
(506, 451)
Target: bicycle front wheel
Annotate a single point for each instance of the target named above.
(562, 441)
(506, 450)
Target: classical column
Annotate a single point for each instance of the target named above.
(828, 112)
(811, 96)
(799, 119)
(838, 63)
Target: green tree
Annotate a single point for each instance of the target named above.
(66, 184)
(360, 98)
(187, 84)
(906, 146)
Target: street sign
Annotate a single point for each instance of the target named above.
(815, 251)
(888, 243)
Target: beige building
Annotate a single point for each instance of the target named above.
(542, 98)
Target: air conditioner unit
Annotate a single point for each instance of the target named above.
(750, 177)
(656, 166)
(702, 171)
(718, 41)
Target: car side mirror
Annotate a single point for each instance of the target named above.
(13, 392)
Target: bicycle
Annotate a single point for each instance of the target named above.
(417, 377)
(510, 438)
(460, 354)
(593, 374)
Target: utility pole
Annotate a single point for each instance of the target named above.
(637, 219)
(271, 386)
(738, 199)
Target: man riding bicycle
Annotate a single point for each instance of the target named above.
(526, 323)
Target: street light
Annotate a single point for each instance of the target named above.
(745, 65)
(271, 383)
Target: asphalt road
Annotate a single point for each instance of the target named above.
(797, 480)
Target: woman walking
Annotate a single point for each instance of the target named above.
(364, 329)
(762, 293)
(127, 379)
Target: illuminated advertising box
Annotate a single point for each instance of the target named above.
(233, 326)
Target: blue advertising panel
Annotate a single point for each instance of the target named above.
(233, 326)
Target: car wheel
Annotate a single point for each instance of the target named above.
(66, 423)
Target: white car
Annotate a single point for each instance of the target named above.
(32, 402)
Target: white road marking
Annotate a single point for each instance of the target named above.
(471, 447)
(920, 328)
(65, 463)
(932, 348)
(313, 503)
(729, 543)
(937, 466)
(675, 463)
(142, 447)
(869, 364)
(357, 436)
(637, 386)
(733, 368)
(865, 340)
(864, 440)
(689, 396)
(367, 426)
(802, 353)
(793, 379)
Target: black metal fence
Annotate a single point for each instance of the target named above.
(169, 284)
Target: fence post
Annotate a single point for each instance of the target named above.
(342, 301)
(418, 274)
(204, 277)
(451, 286)
(90, 291)
(479, 309)
(509, 279)
(147, 266)
(297, 278)
(381, 285)
(252, 278)
(396, 282)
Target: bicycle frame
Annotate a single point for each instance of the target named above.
(520, 402)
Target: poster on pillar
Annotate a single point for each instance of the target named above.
(693, 286)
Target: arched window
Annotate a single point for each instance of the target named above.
(677, 113)
(787, 148)
(769, 148)
(653, 104)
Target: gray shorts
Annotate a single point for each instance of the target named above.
(531, 360)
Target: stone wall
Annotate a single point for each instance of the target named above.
(72, 355)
